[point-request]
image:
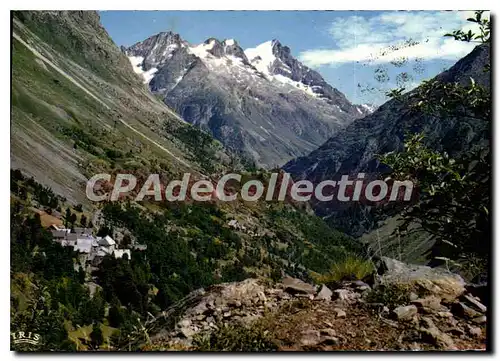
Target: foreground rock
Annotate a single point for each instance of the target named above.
(343, 318)
(405, 313)
(324, 294)
(433, 335)
(432, 281)
(295, 286)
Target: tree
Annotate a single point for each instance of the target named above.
(116, 315)
(126, 241)
(72, 219)
(454, 205)
(67, 217)
(96, 337)
(83, 220)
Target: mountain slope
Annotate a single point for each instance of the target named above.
(78, 109)
(70, 123)
(353, 150)
(260, 102)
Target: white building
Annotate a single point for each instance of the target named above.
(107, 242)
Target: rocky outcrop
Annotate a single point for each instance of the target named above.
(324, 294)
(329, 319)
(405, 313)
(296, 286)
(433, 281)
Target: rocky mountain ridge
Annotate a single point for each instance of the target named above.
(353, 149)
(260, 102)
(78, 109)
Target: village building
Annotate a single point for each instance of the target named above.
(119, 253)
(58, 233)
(108, 243)
(82, 231)
(91, 250)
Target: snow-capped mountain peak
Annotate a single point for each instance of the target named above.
(261, 101)
(271, 61)
(365, 109)
(203, 50)
(262, 57)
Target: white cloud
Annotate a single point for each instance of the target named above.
(391, 36)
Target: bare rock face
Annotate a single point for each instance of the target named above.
(430, 304)
(324, 294)
(438, 338)
(294, 286)
(421, 323)
(474, 331)
(353, 149)
(438, 282)
(405, 313)
(310, 338)
(270, 113)
(475, 303)
(340, 313)
(462, 310)
(314, 337)
(479, 320)
(346, 296)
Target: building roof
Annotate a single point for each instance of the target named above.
(67, 243)
(82, 230)
(58, 233)
(107, 241)
(104, 249)
(71, 237)
(101, 253)
(83, 245)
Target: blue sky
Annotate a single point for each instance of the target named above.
(362, 53)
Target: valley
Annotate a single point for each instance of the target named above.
(142, 273)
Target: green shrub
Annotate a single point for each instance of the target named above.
(235, 339)
(352, 268)
(391, 295)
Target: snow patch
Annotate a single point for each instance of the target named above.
(137, 62)
(229, 42)
(179, 78)
(148, 75)
(340, 110)
(262, 57)
(256, 135)
(201, 51)
(301, 86)
(369, 107)
(170, 49)
(264, 129)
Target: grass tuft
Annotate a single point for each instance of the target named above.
(235, 339)
(352, 268)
